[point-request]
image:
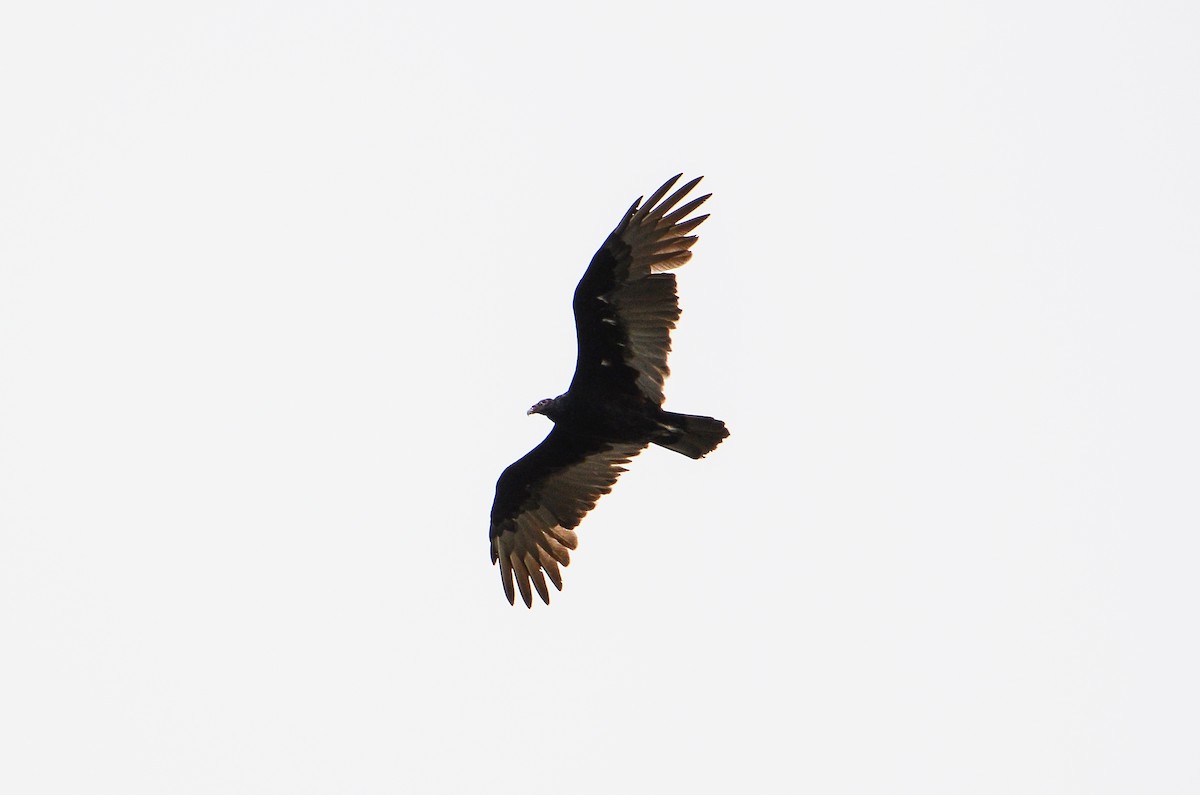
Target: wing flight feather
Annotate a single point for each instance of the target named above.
(625, 305)
(539, 501)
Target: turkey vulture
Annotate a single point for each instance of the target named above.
(625, 308)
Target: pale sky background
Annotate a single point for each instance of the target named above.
(279, 280)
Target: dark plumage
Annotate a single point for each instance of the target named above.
(625, 308)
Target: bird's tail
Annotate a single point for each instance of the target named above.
(690, 434)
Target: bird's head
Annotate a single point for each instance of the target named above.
(541, 407)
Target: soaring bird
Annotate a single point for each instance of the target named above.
(625, 307)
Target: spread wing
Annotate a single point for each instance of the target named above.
(540, 499)
(625, 306)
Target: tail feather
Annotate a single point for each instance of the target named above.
(691, 435)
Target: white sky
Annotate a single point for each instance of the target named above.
(279, 280)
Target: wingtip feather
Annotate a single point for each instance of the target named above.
(522, 577)
(656, 197)
(539, 580)
(506, 579)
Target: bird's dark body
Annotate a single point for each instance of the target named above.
(608, 418)
(624, 309)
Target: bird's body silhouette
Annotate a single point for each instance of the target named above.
(625, 307)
